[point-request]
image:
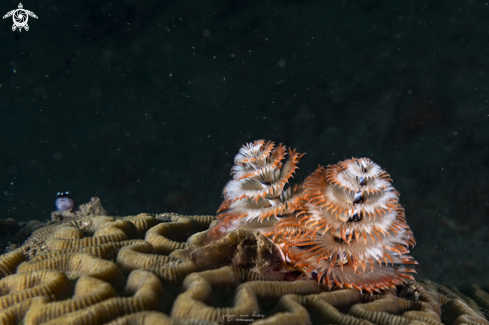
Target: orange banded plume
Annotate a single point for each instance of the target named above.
(350, 229)
(256, 195)
(343, 226)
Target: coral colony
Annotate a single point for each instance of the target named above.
(343, 226)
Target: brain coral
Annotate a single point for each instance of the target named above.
(100, 270)
(90, 268)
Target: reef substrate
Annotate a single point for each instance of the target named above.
(158, 269)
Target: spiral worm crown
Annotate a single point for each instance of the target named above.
(343, 226)
(350, 229)
(255, 197)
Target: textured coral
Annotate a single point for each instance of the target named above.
(342, 223)
(9, 262)
(241, 248)
(98, 270)
(13, 233)
(306, 302)
(8, 226)
(80, 250)
(92, 208)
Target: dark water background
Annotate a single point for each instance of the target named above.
(145, 103)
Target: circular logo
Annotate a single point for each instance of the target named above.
(20, 18)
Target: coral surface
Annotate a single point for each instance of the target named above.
(146, 269)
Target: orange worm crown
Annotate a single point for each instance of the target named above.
(256, 195)
(343, 226)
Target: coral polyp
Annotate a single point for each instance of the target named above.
(343, 226)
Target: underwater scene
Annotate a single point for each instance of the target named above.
(236, 162)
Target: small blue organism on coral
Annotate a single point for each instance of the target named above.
(64, 202)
